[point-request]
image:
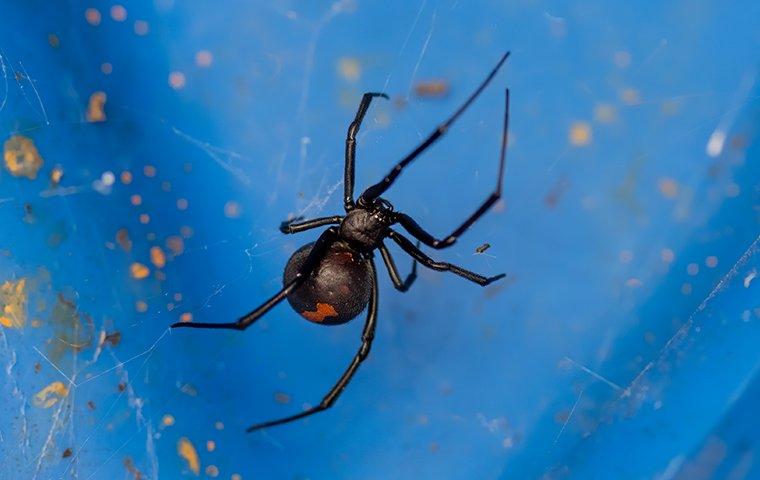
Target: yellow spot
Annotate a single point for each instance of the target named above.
(186, 450)
(138, 271)
(204, 58)
(56, 175)
(95, 107)
(580, 134)
(21, 157)
(186, 317)
(323, 311)
(349, 69)
(157, 257)
(13, 297)
(141, 306)
(210, 445)
(167, 420)
(49, 396)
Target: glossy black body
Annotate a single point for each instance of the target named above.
(338, 288)
(333, 279)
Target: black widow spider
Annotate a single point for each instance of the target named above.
(332, 280)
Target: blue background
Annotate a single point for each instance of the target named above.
(622, 344)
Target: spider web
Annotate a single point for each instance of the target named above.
(628, 226)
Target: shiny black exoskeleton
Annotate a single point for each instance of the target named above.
(334, 279)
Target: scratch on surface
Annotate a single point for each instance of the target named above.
(71, 382)
(216, 154)
(681, 333)
(594, 374)
(136, 403)
(336, 9)
(406, 40)
(318, 202)
(17, 393)
(56, 423)
(149, 353)
(36, 93)
(569, 416)
(4, 71)
(717, 138)
(422, 54)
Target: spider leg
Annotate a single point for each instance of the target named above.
(418, 232)
(295, 226)
(401, 285)
(353, 129)
(315, 256)
(371, 193)
(418, 255)
(368, 334)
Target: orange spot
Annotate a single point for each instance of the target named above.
(96, 107)
(13, 300)
(139, 271)
(186, 450)
(92, 16)
(167, 420)
(49, 396)
(323, 311)
(157, 257)
(21, 157)
(186, 317)
(135, 200)
(177, 80)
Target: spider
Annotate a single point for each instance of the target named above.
(332, 280)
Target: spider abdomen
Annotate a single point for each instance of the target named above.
(336, 291)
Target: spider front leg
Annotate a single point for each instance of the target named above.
(376, 190)
(401, 285)
(353, 129)
(418, 232)
(418, 255)
(296, 226)
(368, 335)
(320, 247)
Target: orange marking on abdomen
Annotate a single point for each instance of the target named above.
(323, 311)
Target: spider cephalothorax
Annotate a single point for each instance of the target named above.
(334, 279)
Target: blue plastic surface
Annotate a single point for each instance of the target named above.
(622, 344)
